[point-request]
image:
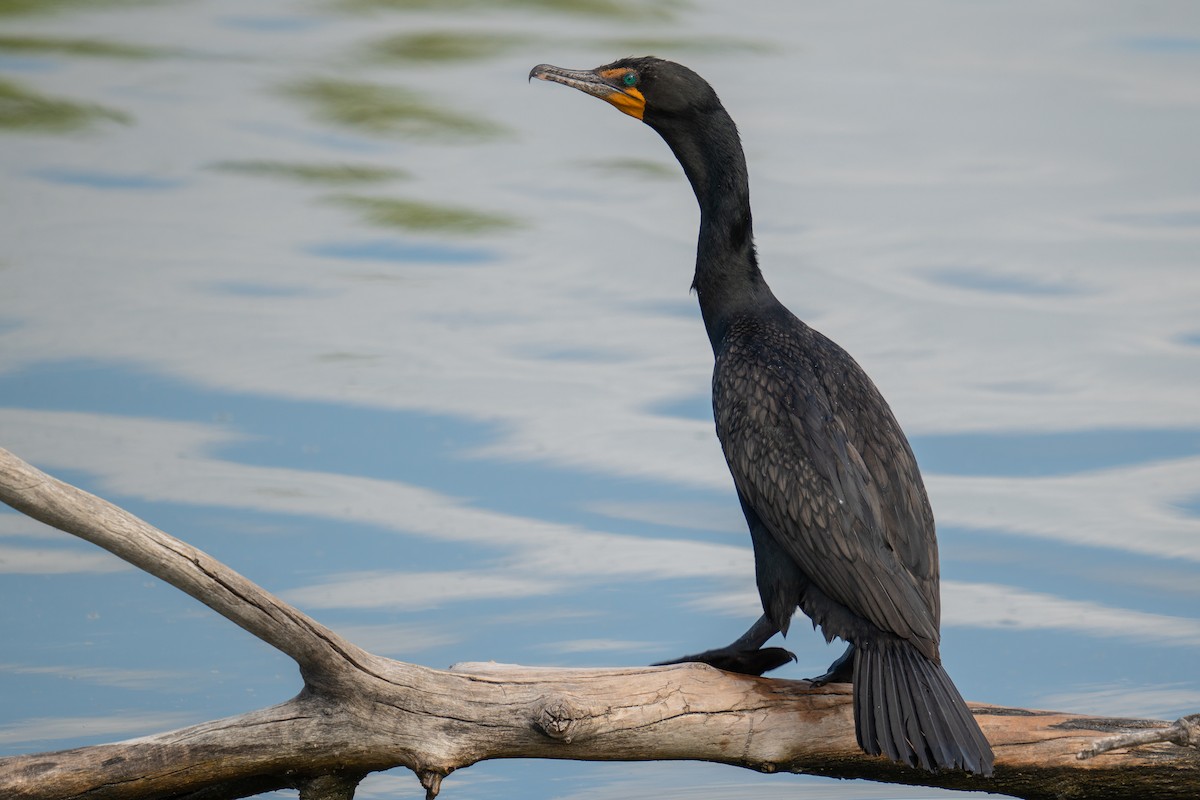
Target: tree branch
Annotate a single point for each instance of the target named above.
(360, 713)
(315, 648)
(1185, 733)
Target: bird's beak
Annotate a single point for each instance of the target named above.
(598, 84)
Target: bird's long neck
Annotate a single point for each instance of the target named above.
(727, 280)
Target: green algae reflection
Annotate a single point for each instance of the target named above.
(92, 48)
(637, 167)
(445, 46)
(21, 7)
(388, 110)
(656, 9)
(412, 215)
(687, 45)
(329, 174)
(25, 110)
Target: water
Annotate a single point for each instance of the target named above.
(328, 291)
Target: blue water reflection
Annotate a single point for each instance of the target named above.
(980, 280)
(402, 252)
(1184, 45)
(106, 180)
(266, 24)
(10, 63)
(457, 445)
(1166, 219)
(245, 289)
(419, 448)
(1055, 453)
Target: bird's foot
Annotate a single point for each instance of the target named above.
(840, 671)
(748, 661)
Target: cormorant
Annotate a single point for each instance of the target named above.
(838, 516)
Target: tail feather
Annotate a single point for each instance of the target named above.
(907, 708)
(892, 725)
(941, 738)
(913, 717)
(864, 718)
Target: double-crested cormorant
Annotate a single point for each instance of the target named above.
(838, 515)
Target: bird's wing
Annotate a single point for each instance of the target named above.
(793, 458)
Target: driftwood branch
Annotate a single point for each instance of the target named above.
(1185, 733)
(358, 713)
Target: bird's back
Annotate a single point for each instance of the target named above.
(817, 454)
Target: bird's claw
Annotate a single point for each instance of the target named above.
(744, 662)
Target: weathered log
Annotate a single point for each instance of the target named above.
(359, 713)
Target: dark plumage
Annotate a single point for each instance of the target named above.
(837, 511)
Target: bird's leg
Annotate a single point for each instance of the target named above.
(840, 671)
(745, 655)
(758, 634)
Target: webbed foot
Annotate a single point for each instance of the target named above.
(840, 671)
(743, 661)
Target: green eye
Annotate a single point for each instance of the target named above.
(630, 79)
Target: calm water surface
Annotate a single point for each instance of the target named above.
(327, 290)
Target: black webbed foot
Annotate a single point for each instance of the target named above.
(746, 661)
(840, 671)
(746, 656)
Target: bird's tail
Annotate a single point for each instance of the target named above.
(907, 708)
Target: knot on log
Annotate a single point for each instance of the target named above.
(561, 718)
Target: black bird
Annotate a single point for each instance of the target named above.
(838, 515)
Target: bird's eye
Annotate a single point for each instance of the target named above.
(630, 79)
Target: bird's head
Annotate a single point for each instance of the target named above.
(646, 88)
